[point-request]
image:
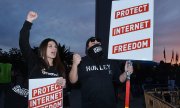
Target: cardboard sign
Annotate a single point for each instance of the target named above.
(131, 30)
(45, 93)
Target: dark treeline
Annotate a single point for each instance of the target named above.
(145, 72)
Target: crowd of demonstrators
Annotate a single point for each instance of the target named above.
(144, 73)
(96, 74)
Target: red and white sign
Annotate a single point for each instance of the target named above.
(131, 30)
(45, 93)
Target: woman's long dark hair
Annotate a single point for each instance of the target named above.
(57, 60)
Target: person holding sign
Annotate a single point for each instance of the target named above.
(96, 74)
(47, 63)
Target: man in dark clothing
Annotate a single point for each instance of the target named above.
(96, 74)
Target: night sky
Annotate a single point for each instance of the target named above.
(72, 22)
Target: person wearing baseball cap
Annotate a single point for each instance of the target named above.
(96, 75)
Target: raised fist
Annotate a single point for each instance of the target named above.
(31, 16)
(76, 59)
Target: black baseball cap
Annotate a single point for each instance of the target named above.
(91, 39)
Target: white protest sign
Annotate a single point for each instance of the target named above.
(131, 30)
(45, 93)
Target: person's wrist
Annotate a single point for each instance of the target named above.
(75, 64)
(29, 20)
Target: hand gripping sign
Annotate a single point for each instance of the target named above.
(131, 33)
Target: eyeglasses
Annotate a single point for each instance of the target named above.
(93, 40)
